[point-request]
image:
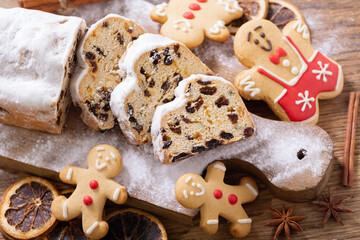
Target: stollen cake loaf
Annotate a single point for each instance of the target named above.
(99, 54)
(152, 67)
(207, 112)
(37, 59)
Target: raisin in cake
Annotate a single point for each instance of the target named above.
(37, 59)
(207, 112)
(152, 67)
(99, 55)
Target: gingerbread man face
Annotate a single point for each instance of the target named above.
(286, 71)
(93, 188)
(215, 198)
(190, 21)
(106, 160)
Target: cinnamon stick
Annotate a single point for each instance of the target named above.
(353, 140)
(348, 140)
(53, 5)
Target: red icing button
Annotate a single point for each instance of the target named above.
(202, 1)
(218, 194)
(188, 15)
(233, 199)
(194, 6)
(94, 184)
(87, 200)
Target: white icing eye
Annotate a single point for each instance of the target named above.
(99, 155)
(185, 29)
(193, 184)
(286, 63)
(294, 70)
(107, 159)
(191, 193)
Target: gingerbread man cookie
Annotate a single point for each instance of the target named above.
(286, 70)
(215, 198)
(93, 188)
(190, 21)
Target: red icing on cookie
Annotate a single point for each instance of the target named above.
(202, 1)
(232, 199)
(188, 15)
(87, 200)
(275, 59)
(94, 184)
(194, 6)
(218, 194)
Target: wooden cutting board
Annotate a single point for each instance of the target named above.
(335, 31)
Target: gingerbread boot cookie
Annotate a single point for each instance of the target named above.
(215, 198)
(286, 71)
(190, 21)
(93, 187)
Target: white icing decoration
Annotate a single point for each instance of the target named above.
(99, 155)
(245, 220)
(113, 155)
(185, 194)
(193, 184)
(160, 9)
(212, 221)
(92, 228)
(228, 8)
(286, 63)
(69, 174)
(145, 43)
(252, 189)
(188, 179)
(179, 101)
(313, 56)
(65, 210)
(107, 159)
(280, 96)
(294, 70)
(322, 71)
(249, 86)
(116, 194)
(184, 29)
(220, 167)
(305, 100)
(99, 166)
(192, 193)
(302, 28)
(201, 188)
(100, 149)
(216, 28)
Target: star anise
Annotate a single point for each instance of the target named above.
(285, 221)
(332, 205)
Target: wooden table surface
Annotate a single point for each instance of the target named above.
(335, 29)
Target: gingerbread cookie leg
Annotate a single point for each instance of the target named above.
(63, 210)
(96, 228)
(240, 222)
(209, 219)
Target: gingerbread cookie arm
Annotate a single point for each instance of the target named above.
(215, 172)
(299, 33)
(115, 192)
(69, 174)
(209, 218)
(217, 31)
(248, 190)
(159, 13)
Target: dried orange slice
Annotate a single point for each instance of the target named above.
(131, 224)
(253, 9)
(281, 12)
(26, 209)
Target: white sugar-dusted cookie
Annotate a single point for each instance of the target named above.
(99, 54)
(37, 55)
(152, 67)
(206, 113)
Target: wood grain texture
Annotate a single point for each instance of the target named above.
(335, 31)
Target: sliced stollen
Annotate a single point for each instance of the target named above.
(99, 54)
(207, 112)
(152, 67)
(37, 60)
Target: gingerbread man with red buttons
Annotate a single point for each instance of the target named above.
(286, 71)
(93, 187)
(215, 198)
(190, 21)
